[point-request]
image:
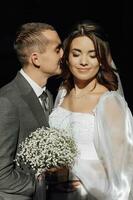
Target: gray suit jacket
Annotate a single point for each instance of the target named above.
(20, 114)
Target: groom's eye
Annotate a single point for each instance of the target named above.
(57, 50)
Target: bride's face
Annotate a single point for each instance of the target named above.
(82, 59)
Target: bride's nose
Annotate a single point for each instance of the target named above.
(83, 61)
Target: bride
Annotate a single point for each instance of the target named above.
(89, 103)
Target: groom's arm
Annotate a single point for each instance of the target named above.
(11, 180)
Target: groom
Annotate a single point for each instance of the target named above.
(39, 51)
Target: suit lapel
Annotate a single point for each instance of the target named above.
(31, 99)
(36, 108)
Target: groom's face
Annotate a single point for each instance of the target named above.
(50, 59)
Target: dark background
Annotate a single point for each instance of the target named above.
(114, 16)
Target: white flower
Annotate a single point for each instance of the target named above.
(46, 148)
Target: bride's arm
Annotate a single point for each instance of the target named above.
(114, 144)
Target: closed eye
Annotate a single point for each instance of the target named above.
(75, 55)
(58, 48)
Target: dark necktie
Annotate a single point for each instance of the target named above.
(45, 101)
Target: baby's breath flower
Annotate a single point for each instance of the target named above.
(46, 148)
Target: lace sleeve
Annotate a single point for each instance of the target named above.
(60, 96)
(114, 144)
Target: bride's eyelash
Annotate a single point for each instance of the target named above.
(75, 55)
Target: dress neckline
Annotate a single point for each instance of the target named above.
(93, 110)
(84, 113)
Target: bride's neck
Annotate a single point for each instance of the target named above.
(85, 86)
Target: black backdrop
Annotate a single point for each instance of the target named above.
(113, 15)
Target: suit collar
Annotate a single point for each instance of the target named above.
(29, 96)
(37, 89)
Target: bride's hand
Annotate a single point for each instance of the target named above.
(52, 170)
(56, 169)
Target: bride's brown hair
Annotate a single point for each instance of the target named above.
(106, 74)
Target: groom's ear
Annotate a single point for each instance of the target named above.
(34, 59)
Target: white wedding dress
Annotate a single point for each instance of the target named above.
(104, 139)
(83, 135)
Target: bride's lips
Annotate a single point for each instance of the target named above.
(83, 69)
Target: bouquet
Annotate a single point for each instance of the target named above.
(47, 148)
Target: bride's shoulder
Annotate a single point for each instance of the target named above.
(111, 95)
(111, 99)
(104, 94)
